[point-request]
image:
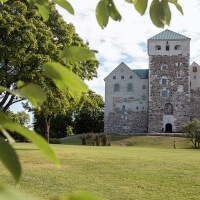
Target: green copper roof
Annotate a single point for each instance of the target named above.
(169, 35)
(142, 73)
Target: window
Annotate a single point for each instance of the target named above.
(157, 47)
(114, 77)
(164, 93)
(168, 109)
(144, 87)
(164, 67)
(194, 77)
(131, 77)
(123, 107)
(177, 47)
(125, 99)
(130, 87)
(137, 108)
(122, 77)
(164, 81)
(116, 87)
(178, 74)
(167, 47)
(143, 98)
(195, 69)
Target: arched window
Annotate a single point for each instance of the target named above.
(144, 87)
(157, 47)
(130, 87)
(177, 47)
(168, 110)
(116, 87)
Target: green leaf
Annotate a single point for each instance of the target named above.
(7, 135)
(43, 7)
(140, 5)
(167, 12)
(10, 159)
(10, 194)
(3, 1)
(20, 84)
(34, 94)
(38, 140)
(102, 14)
(157, 13)
(77, 54)
(113, 12)
(178, 6)
(66, 5)
(63, 77)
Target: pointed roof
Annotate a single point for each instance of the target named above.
(169, 35)
(142, 73)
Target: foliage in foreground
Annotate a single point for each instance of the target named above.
(192, 129)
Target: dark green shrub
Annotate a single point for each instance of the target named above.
(83, 139)
(54, 141)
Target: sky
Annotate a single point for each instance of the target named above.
(126, 41)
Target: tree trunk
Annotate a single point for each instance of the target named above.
(8, 104)
(4, 99)
(47, 121)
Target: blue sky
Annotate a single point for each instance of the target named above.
(126, 41)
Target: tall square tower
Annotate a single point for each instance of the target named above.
(169, 82)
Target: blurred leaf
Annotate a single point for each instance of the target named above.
(113, 12)
(102, 13)
(63, 77)
(157, 13)
(66, 5)
(7, 135)
(43, 7)
(77, 54)
(34, 94)
(167, 12)
(140, 5)
(38, 140)
(3, 1)
(178, 6)
(10, 159)
(20, 84)
(10, 194)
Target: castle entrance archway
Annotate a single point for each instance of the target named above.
(168, 128)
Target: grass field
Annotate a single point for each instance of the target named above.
(149, 169)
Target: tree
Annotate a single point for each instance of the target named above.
(23, 53)
(21, 118)
(192, 129)
(89, 116)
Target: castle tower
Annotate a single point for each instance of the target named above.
(169, 82)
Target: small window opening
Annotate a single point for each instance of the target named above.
(167, 47)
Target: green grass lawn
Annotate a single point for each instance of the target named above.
(149, 169)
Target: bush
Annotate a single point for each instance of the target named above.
(98, 139)
(192, 129)
(54, 141)
(83, 139)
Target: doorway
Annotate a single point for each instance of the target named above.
(168, 128)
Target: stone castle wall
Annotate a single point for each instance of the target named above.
(179, 92)
(195, 103)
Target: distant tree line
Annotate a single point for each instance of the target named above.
(86, 116)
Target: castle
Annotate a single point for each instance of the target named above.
(159, 99)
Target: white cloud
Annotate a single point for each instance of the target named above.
(122, 41)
